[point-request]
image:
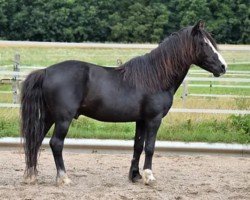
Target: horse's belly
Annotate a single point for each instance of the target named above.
(111, 116)
(111, 112)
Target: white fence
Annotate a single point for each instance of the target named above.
(222, 47)
(186, 85)
(241, 77)
(174, 110)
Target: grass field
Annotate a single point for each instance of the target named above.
(188, 127)
(181, 127)
(45, 56)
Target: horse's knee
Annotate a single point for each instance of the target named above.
(56, 144)
(60, 132)
(138, 148)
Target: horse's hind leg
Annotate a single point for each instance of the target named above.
(134, 173)
(56, 144)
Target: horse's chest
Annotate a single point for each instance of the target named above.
(158, 104)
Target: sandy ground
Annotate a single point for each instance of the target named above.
(100, 176)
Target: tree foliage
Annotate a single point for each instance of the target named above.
(121, 21)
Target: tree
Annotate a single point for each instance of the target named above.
(121, 21)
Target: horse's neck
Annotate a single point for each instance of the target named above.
(173, 63)
(175, 75)
(180, 79)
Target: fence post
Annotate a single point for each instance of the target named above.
(184, 93)
(15, 81)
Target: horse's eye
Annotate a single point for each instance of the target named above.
(204, 44)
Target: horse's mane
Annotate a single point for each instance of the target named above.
(159, 69)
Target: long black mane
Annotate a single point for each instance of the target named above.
(158, 69)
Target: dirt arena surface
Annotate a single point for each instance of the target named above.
(103, 176)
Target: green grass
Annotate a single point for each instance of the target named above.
(211, 130)
(5, 87)
(239, 67)
(232, 129)
(223, 91)
(45, 56)
(236, 57)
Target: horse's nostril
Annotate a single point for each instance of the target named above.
(223, 68)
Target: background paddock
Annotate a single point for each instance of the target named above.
(213, 95)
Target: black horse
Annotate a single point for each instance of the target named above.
(140, 91)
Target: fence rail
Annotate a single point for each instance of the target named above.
(209, 79)
(10, 74)
(173, 110)
(210, 111)
(221, 47)
(219, 86)
(219, 95)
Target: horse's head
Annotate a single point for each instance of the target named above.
(207, 56)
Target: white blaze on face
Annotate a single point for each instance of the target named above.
(215, 51)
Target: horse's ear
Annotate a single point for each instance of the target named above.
(198, 27)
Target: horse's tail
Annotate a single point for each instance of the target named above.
(32, 118)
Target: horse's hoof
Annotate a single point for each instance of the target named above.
(134, 175)
(64, 180)
(30, 180)
(148, 177)
(136, 178)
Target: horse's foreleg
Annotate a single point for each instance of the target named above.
(152, 127)
(134, 173)
(56, 144)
